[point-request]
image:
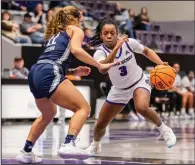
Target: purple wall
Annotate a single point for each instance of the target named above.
(183, 28)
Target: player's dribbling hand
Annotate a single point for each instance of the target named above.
(121, 40)
(103, 68)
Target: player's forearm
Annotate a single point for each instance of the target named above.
(110, 57)
(152, 56)
(83, 56)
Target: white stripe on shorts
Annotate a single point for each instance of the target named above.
(57, 78)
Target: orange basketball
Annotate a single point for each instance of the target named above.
(162, 77)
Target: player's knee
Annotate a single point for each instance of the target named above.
(85, 108)
(100, 126)
(88, 109)
(48, 117)
(142, 109)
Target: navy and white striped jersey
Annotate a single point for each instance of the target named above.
(57, 49)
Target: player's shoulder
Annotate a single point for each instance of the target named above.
(131, 44)
(71, 29)
(99, 48)
(133, 41)
(100, 51)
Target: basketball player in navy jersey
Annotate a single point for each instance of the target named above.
(50, 87)
(128, 79)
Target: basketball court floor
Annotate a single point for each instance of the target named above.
(124, 143)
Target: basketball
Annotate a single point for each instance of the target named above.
(162, 77)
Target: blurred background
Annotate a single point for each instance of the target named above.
(165, 26)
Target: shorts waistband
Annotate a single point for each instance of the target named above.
(134, 83)
(46, 61)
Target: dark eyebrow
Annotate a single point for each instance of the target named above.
(109, 31)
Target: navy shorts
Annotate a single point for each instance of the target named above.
(44, 79)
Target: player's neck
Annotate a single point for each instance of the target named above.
(109, 47)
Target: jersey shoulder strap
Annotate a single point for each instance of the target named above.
(128, 47)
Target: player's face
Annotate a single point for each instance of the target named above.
(109, 35)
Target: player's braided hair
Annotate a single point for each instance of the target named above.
(96, 40)
(62, 17)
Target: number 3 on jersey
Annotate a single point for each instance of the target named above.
(123, 70)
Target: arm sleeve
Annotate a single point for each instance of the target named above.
(136, 46)
(99, 55)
